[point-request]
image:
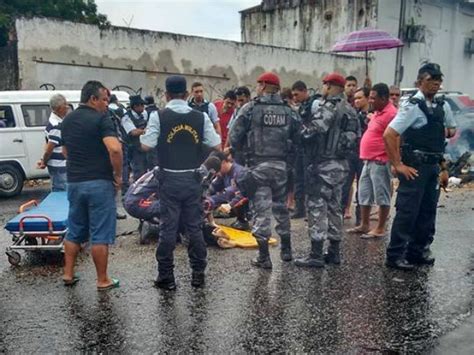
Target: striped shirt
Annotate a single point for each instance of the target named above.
(53, 135)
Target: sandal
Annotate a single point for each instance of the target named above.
(72, 282)
(371, 236)
(115, 284)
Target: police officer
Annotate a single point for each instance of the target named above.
(267, 126)
(308, 105)
(332, 132)
(180, 134)
(198, 102)
(150, 105)
(134, 123)
(422, 124)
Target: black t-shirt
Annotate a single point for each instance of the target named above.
(82, 132)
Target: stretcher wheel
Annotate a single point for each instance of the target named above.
(14, 257)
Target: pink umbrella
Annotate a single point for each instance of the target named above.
(368, 39)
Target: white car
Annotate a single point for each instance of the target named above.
(23, 117)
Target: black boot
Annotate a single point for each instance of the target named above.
(315, 258)
(165, 283)
(300, 210)
(198, 279)
(285, 251)
(263, 258)
(333, 255)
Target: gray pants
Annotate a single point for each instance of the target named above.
(325, 182)
(269, 198)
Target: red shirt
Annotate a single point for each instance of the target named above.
(372, 146)
(224, 118)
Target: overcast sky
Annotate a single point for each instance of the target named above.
(208, 18)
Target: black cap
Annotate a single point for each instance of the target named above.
(113, 98)
(431, 68)
(136, 100)
(176, 84)
(149, 100)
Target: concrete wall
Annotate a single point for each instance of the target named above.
(447, 26)
(305, 24)
(67, 54)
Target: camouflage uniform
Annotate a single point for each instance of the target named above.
(265, 130)
(330, 134)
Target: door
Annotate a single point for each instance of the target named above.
(12, 145)
(36, 118)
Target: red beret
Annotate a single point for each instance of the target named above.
(269, 78)
(335, 78)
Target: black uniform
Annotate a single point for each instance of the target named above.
(180, 146)
(413, 228)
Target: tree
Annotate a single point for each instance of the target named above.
(84, 11)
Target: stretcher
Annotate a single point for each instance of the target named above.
(39, 226)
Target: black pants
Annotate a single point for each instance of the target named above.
(299, 176)
(413, 228)
(180, 199)
(355, 169)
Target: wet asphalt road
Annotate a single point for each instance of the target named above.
(359, 307)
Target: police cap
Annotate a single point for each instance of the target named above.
(176, 84)
(431, 68)
(149, 100)
(335, 79)
(136, 100)
(269, 78)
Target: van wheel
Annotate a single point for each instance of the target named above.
(11, 180)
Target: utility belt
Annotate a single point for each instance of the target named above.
(418, 157)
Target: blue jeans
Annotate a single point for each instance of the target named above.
(92, 212)
(58, 178)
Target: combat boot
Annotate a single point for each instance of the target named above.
(315, 258)
(300, 210)
(263, 258)
(333, 255)
(285, 251)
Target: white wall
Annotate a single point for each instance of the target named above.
(219, 64)
(447, 28)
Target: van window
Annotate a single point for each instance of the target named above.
(6, 117)
(36, 115)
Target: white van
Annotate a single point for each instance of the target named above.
(23, 117)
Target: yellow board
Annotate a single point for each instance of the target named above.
(243, 239)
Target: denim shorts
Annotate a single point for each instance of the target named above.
(92, 212)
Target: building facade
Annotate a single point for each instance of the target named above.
(432, 30)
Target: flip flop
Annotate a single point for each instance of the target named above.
(72, 282)
(371, 236)
(115, 284)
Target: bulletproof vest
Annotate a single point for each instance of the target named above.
(431, 137)
(122, 135)
(340, 141)
(150, 109)
(140, 123)
(305, 109)
(204, 108)
(269, 131)
(180, 144)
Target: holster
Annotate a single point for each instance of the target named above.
(247, 183)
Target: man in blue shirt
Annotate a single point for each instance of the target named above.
(422, 124)
(180, 134)
(223, 194)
